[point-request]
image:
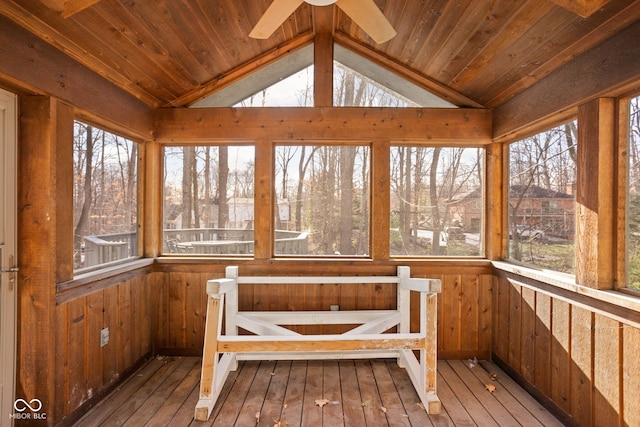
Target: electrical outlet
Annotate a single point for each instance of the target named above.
(334, 307)
(104, 337)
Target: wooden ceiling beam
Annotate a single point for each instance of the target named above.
(68, 7)
(37, 66)
(42, 30)
(610, 69)
(457, 126)
(582, 8)
(323, 24)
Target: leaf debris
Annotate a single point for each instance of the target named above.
(490, 387)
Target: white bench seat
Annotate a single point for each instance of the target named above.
(273, 341)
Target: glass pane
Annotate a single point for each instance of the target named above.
(105, 210)
(208, 200)
(633, 197)
(437, 201)
(352, 89)
(542, 188)
(293, 91)
(322, 200)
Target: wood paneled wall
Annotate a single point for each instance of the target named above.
(163, 313)
(582, 358)
(464, 306)
(86, 371)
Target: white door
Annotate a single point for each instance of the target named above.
(8, 236)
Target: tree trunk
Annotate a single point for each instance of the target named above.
(223, 177)
(83, 221)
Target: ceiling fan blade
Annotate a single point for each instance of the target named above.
(275, 15)
(366, 15)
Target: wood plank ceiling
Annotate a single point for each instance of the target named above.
(173, 52)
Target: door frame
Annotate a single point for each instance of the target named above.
(8, 257)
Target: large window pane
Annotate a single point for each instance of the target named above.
(542, 187)
(105, 197)
(322, 200)
(208, 200)
(633, 197)
(437, 201)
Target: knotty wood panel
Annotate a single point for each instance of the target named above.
(464, 315)
(583, 362)
(85, 371)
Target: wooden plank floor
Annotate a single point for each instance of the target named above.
(286, 393)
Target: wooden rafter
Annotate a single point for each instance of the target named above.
(244, 70)
(583, 8)
(68, 7)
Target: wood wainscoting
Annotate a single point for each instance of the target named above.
(86, 371)
(162, 310)
(569, 350)
(464, 306)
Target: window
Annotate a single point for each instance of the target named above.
(208, 200)
(633, 196)
(541, 197)
(437, 201)
(322, 200)
(105, 211)
(352, 89)
(293, 91)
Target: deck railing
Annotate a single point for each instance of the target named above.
(106, 248)
(229, 241)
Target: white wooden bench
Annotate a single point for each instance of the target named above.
(275, 342)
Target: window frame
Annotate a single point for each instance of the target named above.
(81, 274)
(483, 197)
(623, 177)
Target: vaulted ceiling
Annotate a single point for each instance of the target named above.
(175, 52)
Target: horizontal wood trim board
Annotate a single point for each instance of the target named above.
(32, 63)
(282, 267)
(620, 314)
(438, 125)
(311, 343)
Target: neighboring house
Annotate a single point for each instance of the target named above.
(533, 206)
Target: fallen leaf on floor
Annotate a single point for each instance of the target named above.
(420, 405)
(285, 406)
(257, 417)
(321, 402)
(494, 377)
(383, 409)
(472, 362)
(280, 423)
(366, 403)
(490, 387)
(405, 415)
(273, 373)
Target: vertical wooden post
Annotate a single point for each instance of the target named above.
(323, 18)
(263, 207)
(151, 191)
(208, 387)
(380, 200)
(430, 352)
(45, 126)
(497, 185)
(595, 255)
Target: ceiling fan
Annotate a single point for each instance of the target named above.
(364, 13)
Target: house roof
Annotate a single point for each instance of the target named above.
(516, 191)
(476, 53)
